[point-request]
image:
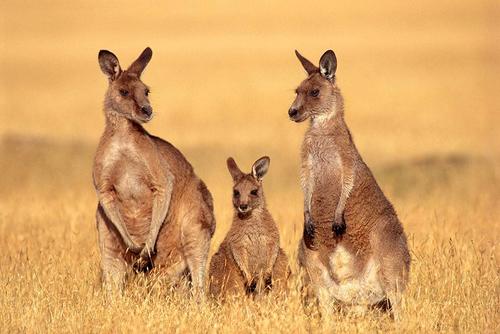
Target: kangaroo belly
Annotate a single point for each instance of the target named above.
(324, 184)
(258, 258)
(137, 220)
(324, 200)
(258, 249)
(135, 200)
(354, 284)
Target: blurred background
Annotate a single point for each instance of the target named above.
(420, 82)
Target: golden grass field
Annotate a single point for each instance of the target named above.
(421, 84)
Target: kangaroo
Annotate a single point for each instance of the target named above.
(153, 211)
(249, 260)
(354, 250)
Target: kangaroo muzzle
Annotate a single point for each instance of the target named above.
(297, 114)
(147, 111)
(243, 208)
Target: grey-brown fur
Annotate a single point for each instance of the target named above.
(354, 250)
(153, 210)
(250, 258)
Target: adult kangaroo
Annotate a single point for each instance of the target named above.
(153, 211)
(354, 250)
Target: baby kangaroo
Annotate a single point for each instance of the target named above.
(153, 210)
(354, 249)
(250, 259)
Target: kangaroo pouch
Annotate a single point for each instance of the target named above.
(352, 285)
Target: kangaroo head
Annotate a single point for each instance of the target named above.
(127, 95)
(317, 95)
(247, 188)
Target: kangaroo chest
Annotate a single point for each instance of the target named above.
(258, 244)
(131, 183)
(321, 175)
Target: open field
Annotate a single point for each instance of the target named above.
(421, 87)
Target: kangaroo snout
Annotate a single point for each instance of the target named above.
(297, 114)
(147, 111)
(293, 112)
(243, 207)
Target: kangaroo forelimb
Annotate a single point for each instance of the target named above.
(161, 203)
(347, 182)
(107, 201)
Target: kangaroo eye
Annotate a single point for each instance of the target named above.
(123, 92)
(236, 193)
(146, 92)
(314, 92)
(255, 192)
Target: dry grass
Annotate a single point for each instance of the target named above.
(421, 84)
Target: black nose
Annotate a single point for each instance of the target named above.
(243, 206)
(293, 112)
(147, 110)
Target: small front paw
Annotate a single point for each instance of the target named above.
(251, 287)
(268, 282)
(147, 252)
(142, 266)
(144, 262)
(309, 232)
(339, 226)
(309, 229)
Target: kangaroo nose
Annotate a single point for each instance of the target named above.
(292, 112)
(147, 110)
(243, 207)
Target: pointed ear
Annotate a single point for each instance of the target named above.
(328, 64)
(140, 63)
(233, 168)
(308, 66)
(109, 64)
(260, 167)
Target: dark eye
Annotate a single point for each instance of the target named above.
(146, 92)
(314, 92)
(123, 92)
(236, 193)
(255, 192)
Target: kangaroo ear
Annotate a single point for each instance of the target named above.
(260, 167)
(233, 168)
(328, 64)
(109, 64)
(140, 63)
(308, 66)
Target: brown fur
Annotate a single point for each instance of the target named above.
(354, 249)
(250, 258)
(153, 210)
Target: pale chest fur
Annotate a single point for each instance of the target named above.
(321, 168)
(351, 283)
(320, 159)
(257, 242)
(127, 172)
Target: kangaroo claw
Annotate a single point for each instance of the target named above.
(143, 265)
(339, 226)
(309, 232)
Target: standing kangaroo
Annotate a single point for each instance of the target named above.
(152, 208)
(354, 249)
(249, 259)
